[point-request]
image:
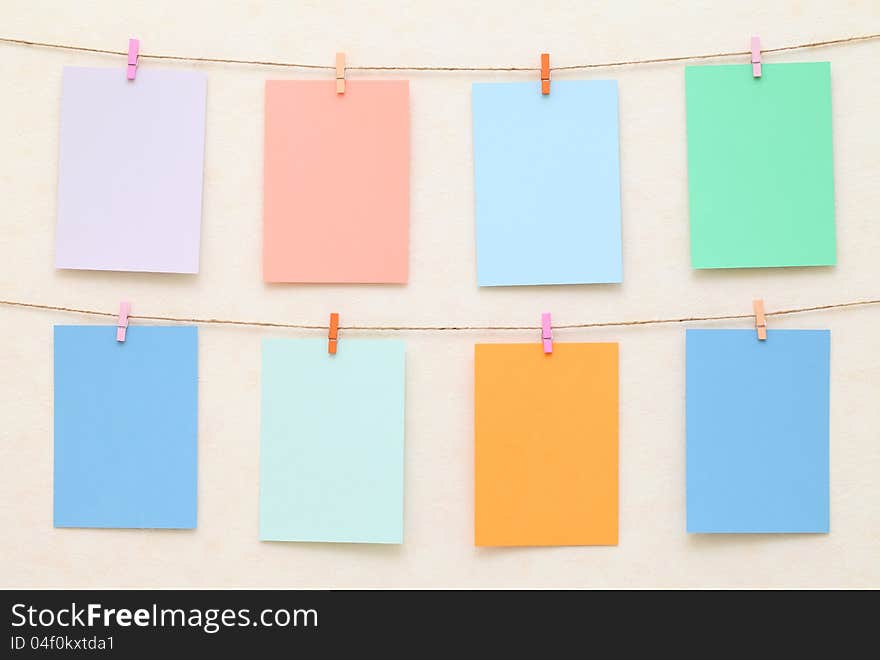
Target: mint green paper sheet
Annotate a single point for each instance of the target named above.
(760, 166)
(331, 450)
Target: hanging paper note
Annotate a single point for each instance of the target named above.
(126, 426)
(546, 444)
(547, 183)
(331, 452)
(336, 188)
(757, 431)
(760, 169)
(130, 170)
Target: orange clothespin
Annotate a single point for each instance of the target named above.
(340, 73)
(334, 334)
(760, 319)
(545, 73)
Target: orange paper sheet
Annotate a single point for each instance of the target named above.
(545, 444)
(336, 188)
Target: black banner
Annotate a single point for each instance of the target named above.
(131, 624)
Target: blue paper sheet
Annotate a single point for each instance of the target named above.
(126, 427)
(757, 431)
(332, 437)
(547, 183)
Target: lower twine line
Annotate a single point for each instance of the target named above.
(436, 328)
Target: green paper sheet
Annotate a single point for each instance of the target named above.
(760, 167)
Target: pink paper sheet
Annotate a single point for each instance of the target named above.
(336, 191)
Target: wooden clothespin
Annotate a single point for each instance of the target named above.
(756, 57)
(134, 46)
(340, 73)
(333, 337)
(546, 332)
(122, 323)
(545, 73)
(760, 319)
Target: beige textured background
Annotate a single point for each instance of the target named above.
(654, 549)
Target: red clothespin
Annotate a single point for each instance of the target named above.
(545, 73)
(756, 57)
(760, 319)
(134, 46)
(546, 333)
(340, 73)
(333, 339)
(122, 323)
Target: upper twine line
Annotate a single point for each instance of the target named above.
(437, 328)
(323, 67)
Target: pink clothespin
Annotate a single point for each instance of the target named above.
(134, 46)
(546, 334)
(122, 323)
(756, 57)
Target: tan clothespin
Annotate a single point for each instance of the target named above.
(760, 319)
(545, 73)
(340, 73)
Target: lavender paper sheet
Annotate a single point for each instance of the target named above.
(130, 170)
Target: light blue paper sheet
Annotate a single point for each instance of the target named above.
(126, 427)
(757, 431)
(332, 437)
(547, 183)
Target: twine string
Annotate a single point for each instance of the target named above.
(435, 328)
(410, 67)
